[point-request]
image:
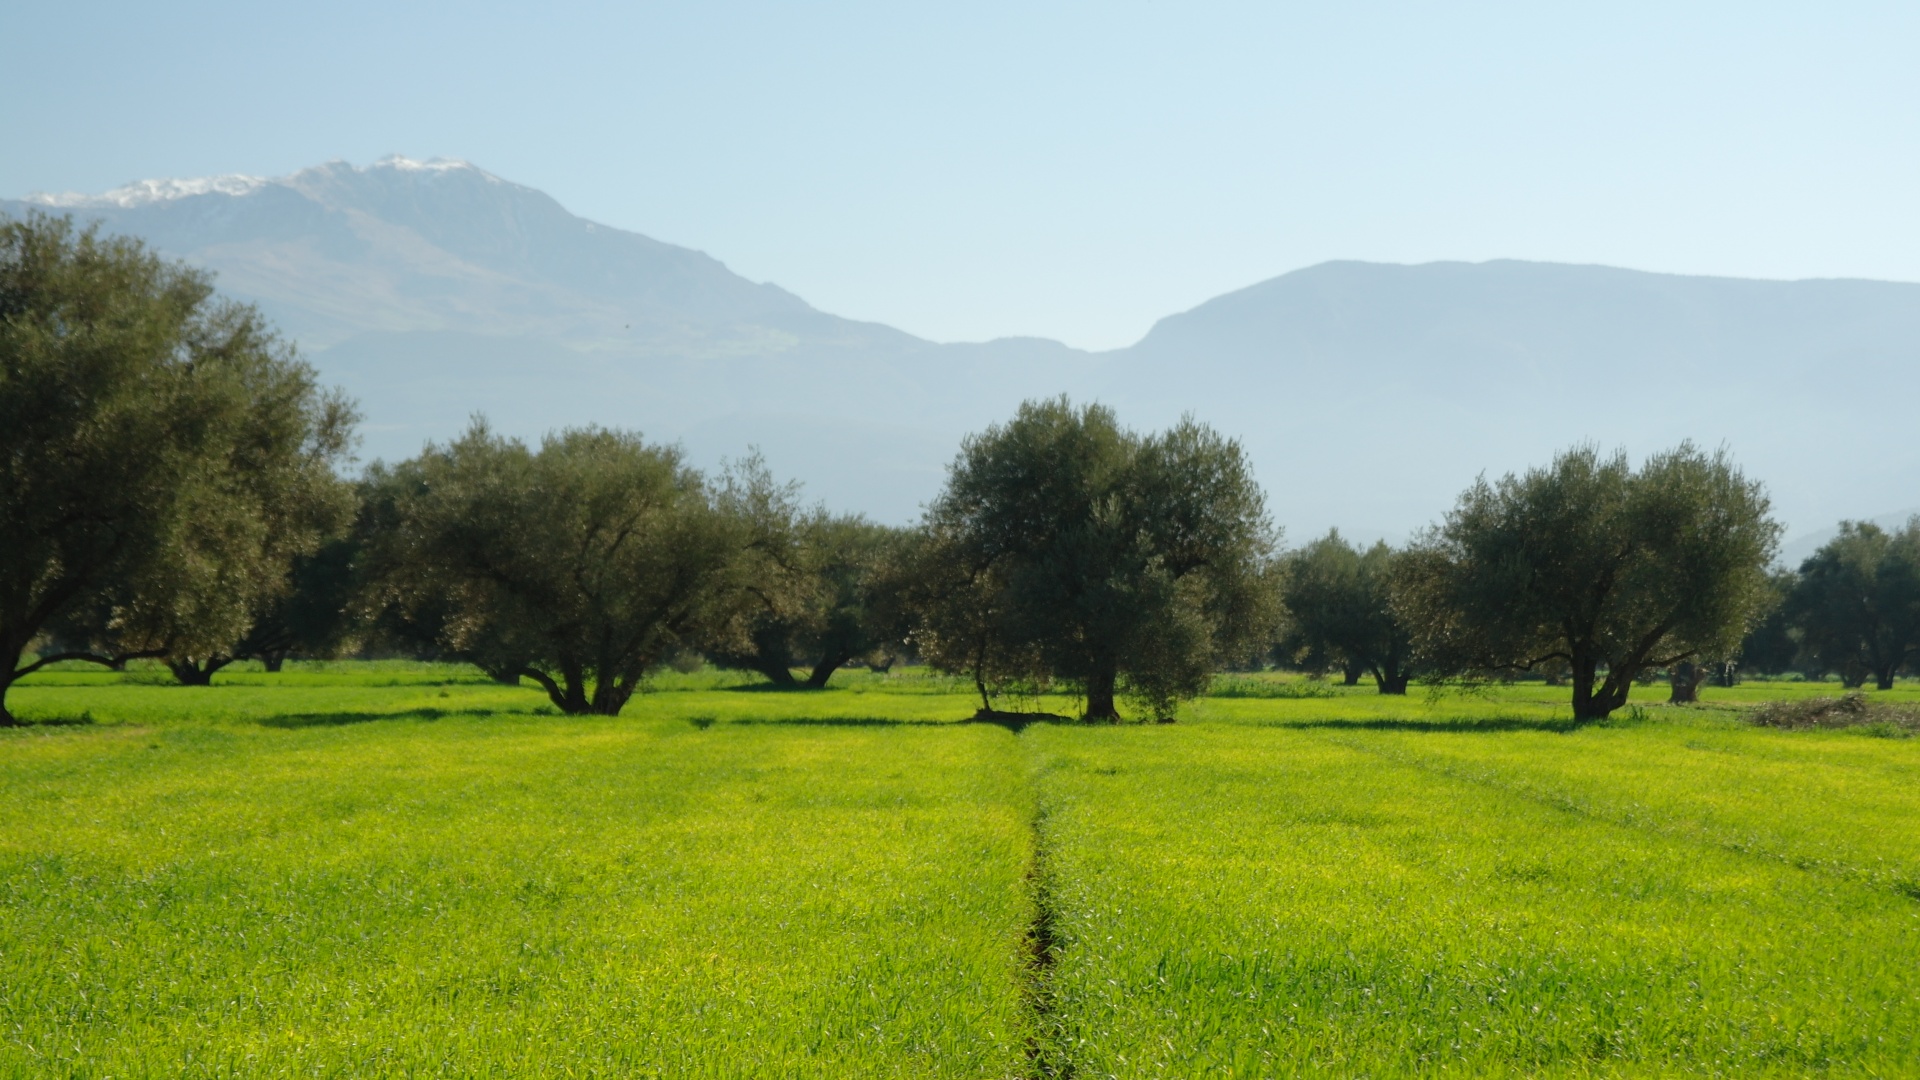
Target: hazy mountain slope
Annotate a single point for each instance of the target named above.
(1372, 393)
(435, 290)
(1797, 549)
(409, 246)
(1368, 395)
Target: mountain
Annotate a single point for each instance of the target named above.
(1367, 394)
(1797, 549)
(434, 290)
(1373, 393)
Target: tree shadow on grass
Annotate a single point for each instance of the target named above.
(84, 719)
(826, 721)
(1017, 722)
(1483, 726)
(341, 719)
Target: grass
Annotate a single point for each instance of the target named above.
(405, 869)
(1237, 901)
(509, 895)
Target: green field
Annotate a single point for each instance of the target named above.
(402, 869)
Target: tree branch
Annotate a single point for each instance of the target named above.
(91, 658)
(546, 683)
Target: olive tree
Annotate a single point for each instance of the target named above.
(827, 618)
(1857, 602)
(313, 616)
(1609, 570)
(1066, 547)
(1339, 606)
(163, 455)
(583, 565)
(955, 613)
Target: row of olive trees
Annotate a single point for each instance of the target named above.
(1067, 549)
(1851, 609)
(172, 490)
(1587, 570)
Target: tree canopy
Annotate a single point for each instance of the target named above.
(583, 565)
(1065, 547)
(1857, 602)
(827, 618)
(163, 455)
(1340, 608)
(1610, 570)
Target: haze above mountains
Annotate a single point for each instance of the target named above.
(1366, 394)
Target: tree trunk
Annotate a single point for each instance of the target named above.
(980, 674)
(1100, 697)
(573, 692)
(822, 671)
(1589, 704)
(1352, 675)
(1684, 679)
(192, 672)
(1883, 679)
(1393, 682)
(11, 650)
(610, 697)
(504, 674)
(778, 674)
(274, 661)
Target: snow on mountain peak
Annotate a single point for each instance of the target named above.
(438, 164)
(143, 192)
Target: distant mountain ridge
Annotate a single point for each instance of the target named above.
(403, 245)
(1366, 394)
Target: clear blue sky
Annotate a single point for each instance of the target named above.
(1074, 171)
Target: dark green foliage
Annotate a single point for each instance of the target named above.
(1857, 602)
(1612, 571)
(828, 618)
(1772, 647)
(163, 456)
(1340, 611)
(1065, 547)
(312, 618)
(582, 566)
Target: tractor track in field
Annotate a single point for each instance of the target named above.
(1041, 947)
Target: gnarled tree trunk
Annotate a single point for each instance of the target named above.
(1597, 704)
(1100, 705)
(193, 672)
(822, 671)
(1684, 679)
